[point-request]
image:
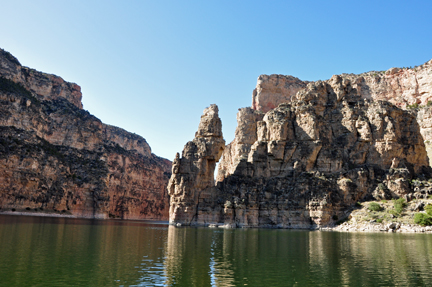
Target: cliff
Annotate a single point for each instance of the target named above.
(56, 157)
(307, 162)
(407, 88)
(400, 86)
(192, 178)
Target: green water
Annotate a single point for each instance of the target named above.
(38, 251)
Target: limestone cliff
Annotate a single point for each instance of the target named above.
(307, 162)
(192, 178)
(400, 86)
(408, 88)
(275, 89)
(55, 156)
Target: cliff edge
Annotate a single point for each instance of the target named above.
(56, 157)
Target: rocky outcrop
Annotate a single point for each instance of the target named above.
(192, 179)
(55, 156)
(274, 90)
(399, 86)
(305, 163)
(239, 148)
(43, 86)
(408, 88)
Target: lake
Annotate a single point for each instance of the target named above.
(44, 251)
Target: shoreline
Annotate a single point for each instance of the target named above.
(59, 215)
(39, 214)
(394, 227)
(347, 226)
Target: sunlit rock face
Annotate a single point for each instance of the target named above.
(55, 156)
(315, 157)
(272, 90)
(400, 86)
(43, 86)
(305, 163)
(192, 179)
(407, 88)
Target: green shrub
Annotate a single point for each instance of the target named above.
(413, 106)
(428, 209)
(399, 205)
(373, 206)
(394, 212)
(379, 220)
(423, 219)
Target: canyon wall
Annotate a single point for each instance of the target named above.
(399, 86)
(308, 161)
(407, 88)
(57, 157)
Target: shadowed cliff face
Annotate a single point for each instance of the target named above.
(55, 156)
(306, 163)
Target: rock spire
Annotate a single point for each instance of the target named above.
(192, 178)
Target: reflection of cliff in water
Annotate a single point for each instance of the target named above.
(371, 259)
(79, 252)
(197, 257)
(268, 257)
(227, 257)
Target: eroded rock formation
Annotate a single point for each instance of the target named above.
(274, 90)
(307, 162)
(192, 179)
(400, 86)
(55, 156)
(408, 88)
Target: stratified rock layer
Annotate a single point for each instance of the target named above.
(55, 156)
(306, 163)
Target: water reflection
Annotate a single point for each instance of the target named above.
(289, 258)
(372, 259)
(233, 257)
(74, 252)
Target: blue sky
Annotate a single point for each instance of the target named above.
(151, 67)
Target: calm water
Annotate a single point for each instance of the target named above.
(37, 251)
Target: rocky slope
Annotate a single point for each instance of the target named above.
(362, 218)
(55, 156)
(307, 162)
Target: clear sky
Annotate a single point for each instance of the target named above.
(151, 67)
